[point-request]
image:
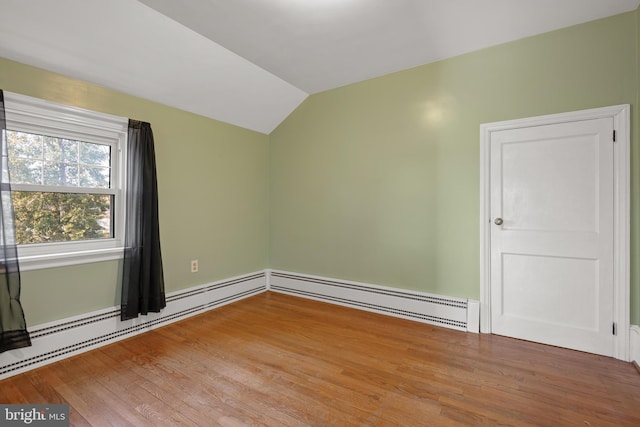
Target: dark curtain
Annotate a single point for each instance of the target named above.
(13, 327)
(142, 277)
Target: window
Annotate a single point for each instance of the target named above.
(66, 168)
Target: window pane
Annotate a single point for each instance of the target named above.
(95, 154)
(94, 177)
(62, 174)
(25, 171)
(47, 160)
(21, 144)
(59, 217)
(60, 150)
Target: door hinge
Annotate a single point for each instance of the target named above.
(615, 329)
(614, 135)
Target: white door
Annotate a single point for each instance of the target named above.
(552, 234)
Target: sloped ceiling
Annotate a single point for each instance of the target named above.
(252, 62)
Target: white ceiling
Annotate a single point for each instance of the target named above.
(252, 62)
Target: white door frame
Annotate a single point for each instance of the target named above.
(622, 195)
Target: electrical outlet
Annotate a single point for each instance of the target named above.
(194, 265)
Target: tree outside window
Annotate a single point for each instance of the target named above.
(59, 188)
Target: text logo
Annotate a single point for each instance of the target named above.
(34, 415)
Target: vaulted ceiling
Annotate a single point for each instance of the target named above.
(252, 62)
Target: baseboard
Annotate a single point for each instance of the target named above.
(634, 344)
(454, 313)
(67, 337)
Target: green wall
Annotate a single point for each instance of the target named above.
(379, 181)
(635, 186)
(213, 198)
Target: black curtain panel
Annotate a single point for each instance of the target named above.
(13, 327)
(142, 277)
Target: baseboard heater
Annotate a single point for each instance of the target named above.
(454, 313)
(61, 339)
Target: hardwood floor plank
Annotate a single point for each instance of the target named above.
(10, 393)
(277, 360)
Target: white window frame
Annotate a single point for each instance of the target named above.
(37, 116)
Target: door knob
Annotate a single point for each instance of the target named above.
(498, 221)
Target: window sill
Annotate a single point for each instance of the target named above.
(39, 262)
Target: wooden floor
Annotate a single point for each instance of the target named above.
(277, 360)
